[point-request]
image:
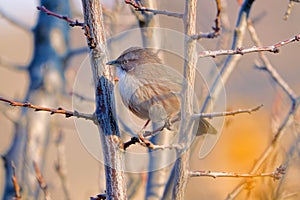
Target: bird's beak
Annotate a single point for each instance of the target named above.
(113, 62)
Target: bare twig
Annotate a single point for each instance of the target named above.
(268, 66)
(277, 174)
(66, 18)
(139, 7)
(231, 60)
(41, 181)
(147, 134)
(15, 182)
(228, 113)
(280, 131)
(52, 111)
(216, 29)
(15, 21)
(241, 51)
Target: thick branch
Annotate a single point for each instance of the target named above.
(66, 18)
(105, 104)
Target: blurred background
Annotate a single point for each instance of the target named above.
(244, 137)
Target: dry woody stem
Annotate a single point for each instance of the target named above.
(277, 174)
(139, 7)
(66, 18)
(52, 111)
(41, 181)
(241, 51)
(147, 134)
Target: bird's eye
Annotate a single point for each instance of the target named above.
(125, 61)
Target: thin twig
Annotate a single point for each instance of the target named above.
(178, 147)
(277, 174)
(52, 111)
(15, 181)
(139, 7)
(216, 29)
(66, 18)
(227, 113)
(41, 181)
(241, 51)
(147, 134)
(268, 66)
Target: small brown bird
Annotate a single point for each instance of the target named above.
(149, 89)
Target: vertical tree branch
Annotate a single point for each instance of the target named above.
(105, 105)
(182, 163)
